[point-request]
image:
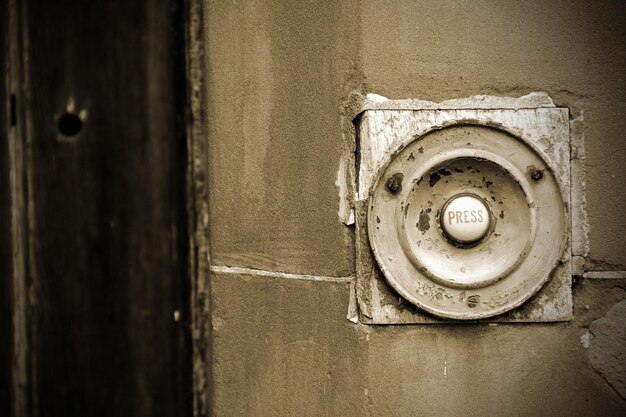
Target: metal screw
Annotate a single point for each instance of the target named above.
(394, 183)
(536, 175)
(473, 300)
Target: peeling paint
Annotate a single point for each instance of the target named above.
(580, 221)
(353, 309)
(376, 98)
(346, 212)
(424, 220)
(436, 176)
(536, 99)
(585, 339)
(607, 347)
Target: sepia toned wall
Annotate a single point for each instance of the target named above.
(278, 75)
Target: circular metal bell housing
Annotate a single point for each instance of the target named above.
(426, 235)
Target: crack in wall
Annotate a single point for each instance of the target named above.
(605, 342)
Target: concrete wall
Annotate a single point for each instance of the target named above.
(278, 74)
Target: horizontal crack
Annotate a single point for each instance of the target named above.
(274, 274)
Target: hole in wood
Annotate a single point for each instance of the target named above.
(70, 125)
(13, 111)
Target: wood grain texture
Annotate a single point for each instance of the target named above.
(5, 227)
(107, 241)
(198, 210)
(17, 262)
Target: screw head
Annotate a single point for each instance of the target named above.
(473, 300)
(536, 175)
(394, 183)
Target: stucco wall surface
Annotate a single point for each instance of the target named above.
(278, 76)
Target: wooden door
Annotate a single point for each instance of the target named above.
(96, 211)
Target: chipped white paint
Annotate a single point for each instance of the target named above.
(235, 270)
(353, 310)
(346, 212)
(580, 222)
(445, 368)
(585, 339)
(376, 98)
(552, 303)
(534, 100)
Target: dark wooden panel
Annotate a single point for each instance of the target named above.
(5, 227)
(106, 180)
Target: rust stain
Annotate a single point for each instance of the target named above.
(424, 221)
(436, 176)
(394, 183)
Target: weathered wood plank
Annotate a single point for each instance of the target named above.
(5, 227)
(104, 179)
(17, 262)
(198, 211)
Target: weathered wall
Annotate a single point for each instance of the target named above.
(278, 74)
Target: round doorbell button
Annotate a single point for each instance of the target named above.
(465, 218)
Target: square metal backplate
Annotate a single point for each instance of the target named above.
(383, 127)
